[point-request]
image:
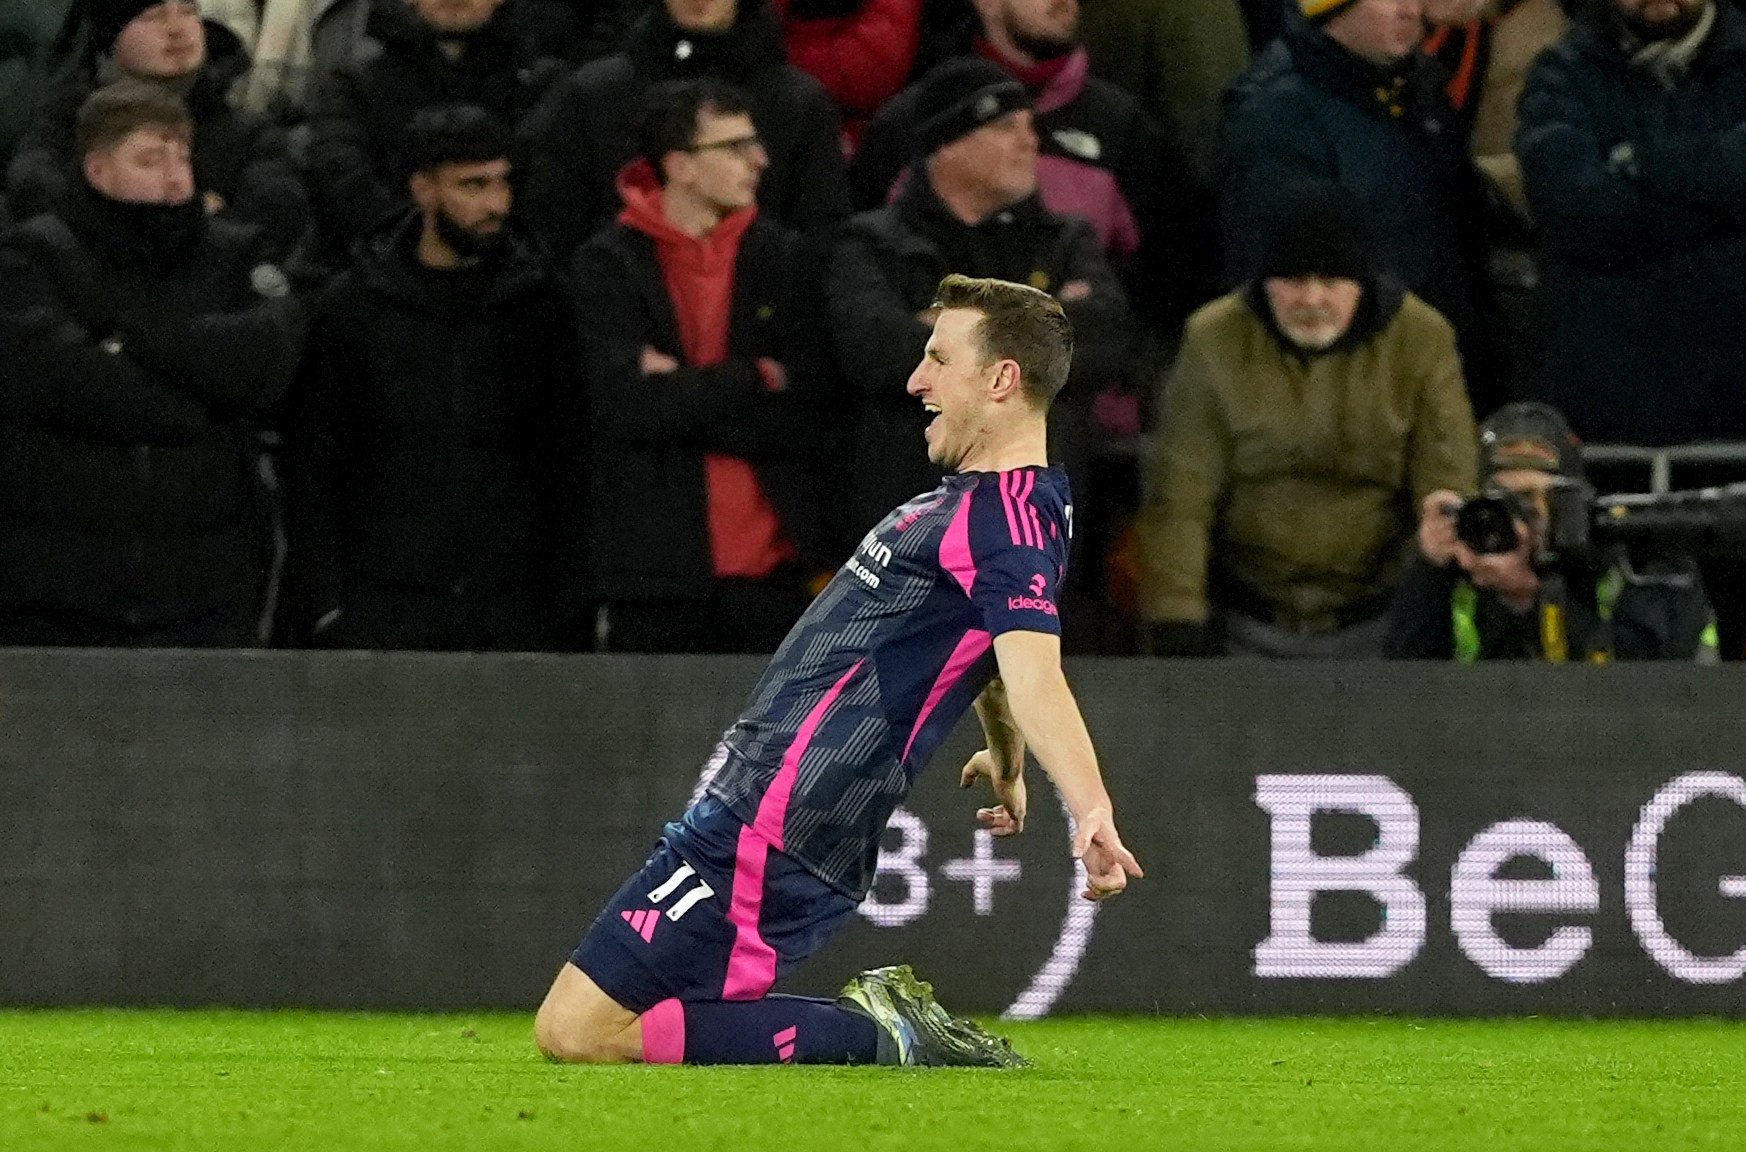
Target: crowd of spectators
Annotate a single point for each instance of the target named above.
(585, 324)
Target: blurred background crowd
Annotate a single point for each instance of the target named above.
(585, 325)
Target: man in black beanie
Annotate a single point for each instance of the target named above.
(242, 165)
(970, 207)
(1308, 414)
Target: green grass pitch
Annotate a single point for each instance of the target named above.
(223, 1081)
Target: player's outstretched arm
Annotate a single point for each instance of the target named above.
(1002, 761)
(1048, 719)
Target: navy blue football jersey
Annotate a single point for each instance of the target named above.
(879, 669)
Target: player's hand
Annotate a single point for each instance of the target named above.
(1008, 817)
(657, 363)
(1108, 864)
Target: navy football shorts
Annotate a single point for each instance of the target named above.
(715, 914)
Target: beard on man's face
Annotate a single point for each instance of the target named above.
(470, 242)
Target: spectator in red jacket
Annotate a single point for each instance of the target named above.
(862, 51)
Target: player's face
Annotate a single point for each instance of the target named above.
(952, 383)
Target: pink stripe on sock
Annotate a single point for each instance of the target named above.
(751, 966)
(664, 1033)
(955, 554)
(968, 651)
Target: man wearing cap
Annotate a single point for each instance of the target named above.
(1345, 95)
(1307, 413)
(242, 168)
(1455, 603)
(972, 208)
(148, 344)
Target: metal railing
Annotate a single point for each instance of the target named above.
(1661, 461)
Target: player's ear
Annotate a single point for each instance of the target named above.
(1006, 382)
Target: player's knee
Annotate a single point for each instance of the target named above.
(577, 1026)
(572, 1042)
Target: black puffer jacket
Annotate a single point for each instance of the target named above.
(357, 169)
(141, 347)
(585, 131)
(422, 452)
(1644, 264)
(885, 271)
(241, 157)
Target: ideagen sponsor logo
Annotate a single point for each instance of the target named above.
(1035, 605)
(1035, 602)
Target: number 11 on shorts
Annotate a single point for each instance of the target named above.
(685, 903)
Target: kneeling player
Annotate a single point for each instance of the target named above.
(949, 602)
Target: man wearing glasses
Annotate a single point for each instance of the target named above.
(707, 442)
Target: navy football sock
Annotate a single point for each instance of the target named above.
(774, 1030)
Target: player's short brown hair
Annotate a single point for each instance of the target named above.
(1020, 324)
(116, 111)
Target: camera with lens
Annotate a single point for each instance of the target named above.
(1567, 520)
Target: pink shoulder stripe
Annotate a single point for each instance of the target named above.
(1006, 501)
(1026, 483)
(955, 555)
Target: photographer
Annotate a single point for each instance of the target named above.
(1461, 602)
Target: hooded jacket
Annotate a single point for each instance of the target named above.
(144, 347)
(1643, 263)
(238, 155)
(357, 171)
(885, 270)
(430, 419)
(653, 436)
(1309, 110)
(1293, 480)
(584, 132)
